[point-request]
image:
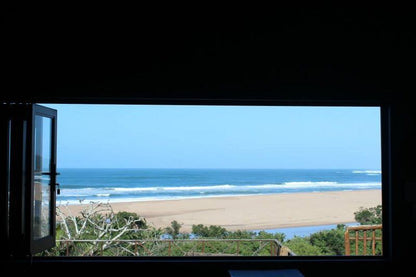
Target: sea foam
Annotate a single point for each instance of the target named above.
(307, 185)
(367, 171)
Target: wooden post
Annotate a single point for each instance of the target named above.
(356, 242)
(365, 243)
(136, 249)
(381, 239)
(67, 248)
(238, 247)
(203, 247)
(373, 246)
(347, 242)
(271, 248)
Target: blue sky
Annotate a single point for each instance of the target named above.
(157, 136)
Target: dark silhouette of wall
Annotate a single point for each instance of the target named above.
(308, 59)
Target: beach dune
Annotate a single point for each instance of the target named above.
(254, 212)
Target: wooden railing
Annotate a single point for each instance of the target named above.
(177, 247)
(368, 235)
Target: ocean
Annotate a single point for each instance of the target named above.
(304, 231)
(125, 185)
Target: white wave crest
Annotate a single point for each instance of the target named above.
(103, 194)
(227, 187)
(308, 184)
(317, 185)
(185, 191)
(217, 187)
(135, 189)
(77, 192)
(366, 171)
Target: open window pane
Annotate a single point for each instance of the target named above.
(29, 175)
(42, 181)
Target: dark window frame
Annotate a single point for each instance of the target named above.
(21, 243)
(253, 262)
(5, 126)
(37, 245)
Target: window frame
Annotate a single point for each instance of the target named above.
(37, 245)
(21, 173)
(242, 262)
(5, 180)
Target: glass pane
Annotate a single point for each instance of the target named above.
(42, 167)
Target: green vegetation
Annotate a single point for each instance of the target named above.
(331, 242)
(218, 232)
(369, 216)
(98, 231)
(328, 242)
(303, 247)
(212, 231)
(98, 222)
(174, 231)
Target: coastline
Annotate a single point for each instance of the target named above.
(254, 212)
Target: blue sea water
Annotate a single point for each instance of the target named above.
(124, 185)
(304, 231)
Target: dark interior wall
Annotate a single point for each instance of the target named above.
(310, 55)
(403, 196)
(307, 59)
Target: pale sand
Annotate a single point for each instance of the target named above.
(255, 212)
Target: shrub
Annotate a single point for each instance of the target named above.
(369, 216)
(265, 235)
(174, 229)
(303, 247)
(330, 242)
(213, 231)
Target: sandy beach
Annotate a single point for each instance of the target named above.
(254, 212)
